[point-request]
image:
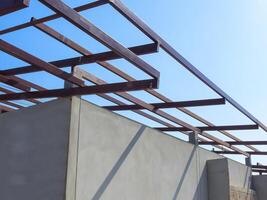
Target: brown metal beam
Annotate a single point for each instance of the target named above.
(212, 128)
(248, 152)
(235, 143)
(81, 60)
(52, 17)
(259, 171)
(12, 104)
(4, 90)
(26, 57)
(82, 23)
(13, 83)
(108, 88)
(26, 83)
(9, 6)
(61, 38)
(206, 102)
(6, 109)
(259, 166)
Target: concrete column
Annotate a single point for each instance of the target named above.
(248, 161)
(193, 138)
(75, 72)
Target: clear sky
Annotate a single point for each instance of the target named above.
(226, 40)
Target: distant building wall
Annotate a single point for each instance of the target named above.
(260, 186)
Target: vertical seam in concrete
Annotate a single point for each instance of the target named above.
(67, 157)
(228, 178)
(198, 186)
(71, 174)
(78, 145)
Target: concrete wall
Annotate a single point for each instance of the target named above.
(121, 159)
(33, 152)
(240, 176)
(260, 186)
(218, 179)
(70, 149)
(229, 180)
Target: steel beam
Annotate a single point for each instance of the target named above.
(86, 90)
(52, 17)
(206, 102)
(79, 21)
(9, 6)
(235, 143)
(4, 90)
(81, 60)
(118, 5)
(26, 57)
(13, 83)
(259, 171)
(212, 128)
(61, 38)
(12, 104)
(5, 108)
(26, 83)
(248, 152)
(259, 166)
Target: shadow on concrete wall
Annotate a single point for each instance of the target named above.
(180, 183)
(202, 181)
(118, 164)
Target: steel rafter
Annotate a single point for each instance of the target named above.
(9, 6)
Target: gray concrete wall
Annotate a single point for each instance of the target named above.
(121, 159)
(229, 180)
(260, 186)
(240, 175)
(218, 179)
(33, 152)
(70, 149)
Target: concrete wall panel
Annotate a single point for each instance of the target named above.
(240, 175)
(103, 155)
(33, 152)
(203, 156)
(103, 137)
(115, 163)
(218, 179)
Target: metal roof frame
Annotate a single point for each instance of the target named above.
(33, 92)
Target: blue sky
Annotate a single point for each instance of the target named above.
(226, 40)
